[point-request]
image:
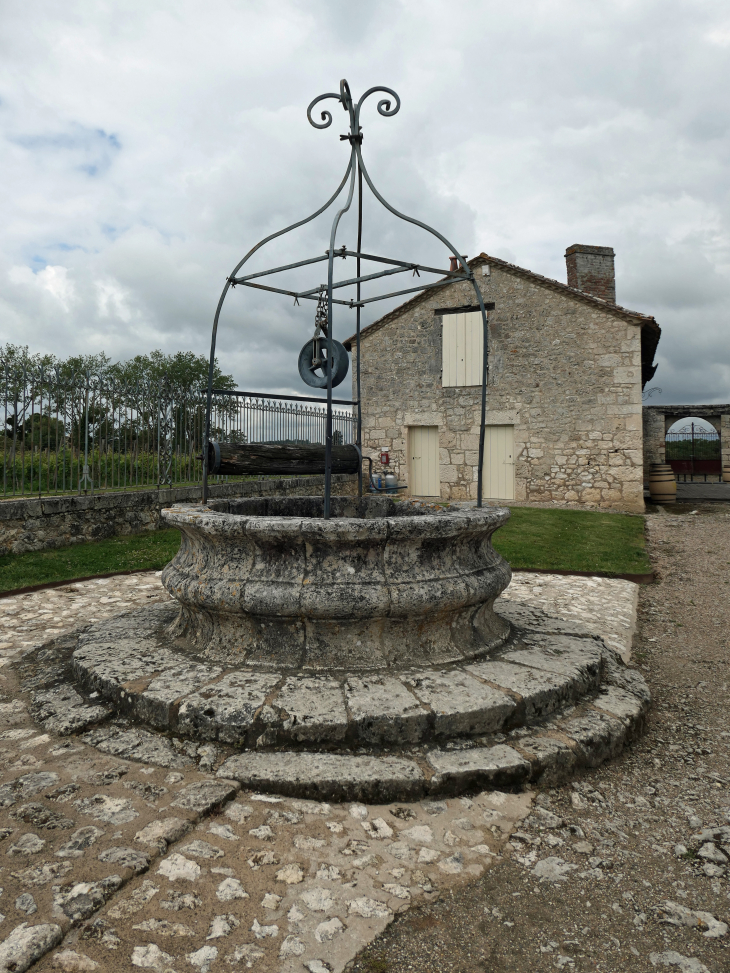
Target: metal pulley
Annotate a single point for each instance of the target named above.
(313, 362)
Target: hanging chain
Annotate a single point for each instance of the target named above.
(320, 326)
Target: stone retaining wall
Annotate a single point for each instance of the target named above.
(47, 522)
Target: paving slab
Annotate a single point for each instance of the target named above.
(573, 605)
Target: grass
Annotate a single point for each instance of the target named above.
(140, 552)
(549, 540)
(573, 540)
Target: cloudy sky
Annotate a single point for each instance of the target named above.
(146, 146)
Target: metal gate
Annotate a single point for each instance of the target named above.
(694, 451)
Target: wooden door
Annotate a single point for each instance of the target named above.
(423, 453)
(499, 463)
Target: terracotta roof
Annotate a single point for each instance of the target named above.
(634, 316)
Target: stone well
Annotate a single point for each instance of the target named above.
(267, 583)
(354, 658)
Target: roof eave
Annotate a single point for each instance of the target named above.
(634, 317)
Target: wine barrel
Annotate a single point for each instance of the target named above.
(726, 473)
(662, 484)
(267, 459)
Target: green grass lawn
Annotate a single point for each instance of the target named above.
(573, 540)
(562, 540)
(140, 552)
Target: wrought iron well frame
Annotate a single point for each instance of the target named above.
(355, 172)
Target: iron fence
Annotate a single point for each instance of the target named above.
(92, 432)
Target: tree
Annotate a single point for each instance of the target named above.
(184, 371)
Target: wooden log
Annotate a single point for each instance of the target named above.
(257, 459)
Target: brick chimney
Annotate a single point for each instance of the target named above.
(590, 269)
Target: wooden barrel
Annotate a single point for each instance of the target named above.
(662, 484)
(726, 473)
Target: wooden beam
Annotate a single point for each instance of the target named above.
(247, 459)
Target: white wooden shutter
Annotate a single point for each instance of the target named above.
(462, 349)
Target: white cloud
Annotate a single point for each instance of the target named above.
(145, 148)
(54, 280)
(719, 36)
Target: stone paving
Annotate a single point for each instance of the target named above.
(606, 606)
(115, 863)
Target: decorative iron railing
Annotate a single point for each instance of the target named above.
(94, 433)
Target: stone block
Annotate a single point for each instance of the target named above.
(326, 776)
(313, 710)
(481, 767)
(383, 711)
(226, 710)
(580, 659)
(461, 704)
(134, 744)
(541, 693)
(156, 705)
(598, 737)
(205, 796)
(551, 760)
(622, 704)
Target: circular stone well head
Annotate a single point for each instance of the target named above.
(268, 583)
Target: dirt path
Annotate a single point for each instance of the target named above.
(606, 874)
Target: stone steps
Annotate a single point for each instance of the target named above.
(544, 704)
(562, 745)
(532, 677)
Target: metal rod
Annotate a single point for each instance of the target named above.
(330, 347)
(357, 330)
(408, 290)
(279, 290)
(357, 280)
(403, 263)
(277, 270)
(216, 319)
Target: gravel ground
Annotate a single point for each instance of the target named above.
(621, 869)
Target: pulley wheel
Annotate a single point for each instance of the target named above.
(316, 375)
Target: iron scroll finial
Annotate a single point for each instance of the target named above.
(387, 107)
(325, 116)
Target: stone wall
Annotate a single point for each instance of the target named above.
(654, 438)
(565, 371)
(38, 524)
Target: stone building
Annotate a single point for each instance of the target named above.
(566, 370)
